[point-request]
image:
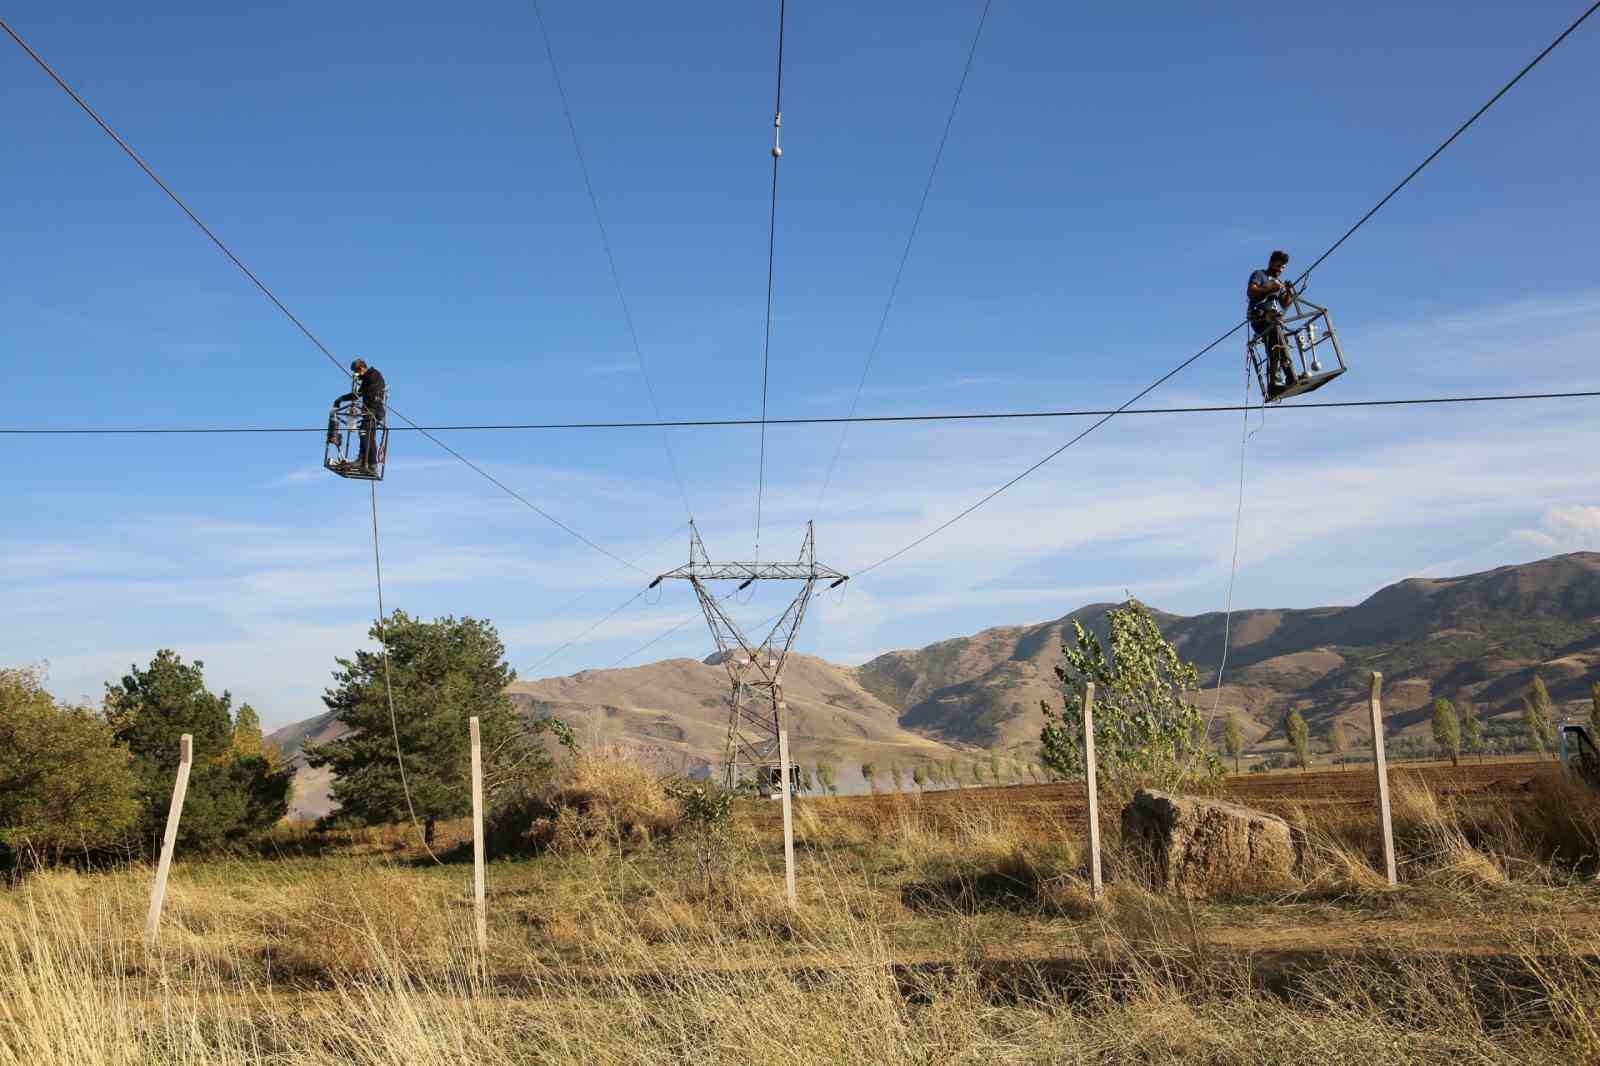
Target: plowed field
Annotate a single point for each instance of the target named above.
(1280, 793)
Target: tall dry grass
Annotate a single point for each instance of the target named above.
(966, 938)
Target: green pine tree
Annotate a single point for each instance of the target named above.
(231, 794)
(442, 673)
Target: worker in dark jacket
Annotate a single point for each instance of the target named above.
(1267, 297)
(374, 393)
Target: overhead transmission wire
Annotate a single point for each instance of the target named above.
(266, 291)
(605, 243)
(586, 595)
(905, 254)
(980, 416)
(1164, 378)
(327, 352)
(772, 249)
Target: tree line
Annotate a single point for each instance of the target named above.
(93, 784)
(1456, 730)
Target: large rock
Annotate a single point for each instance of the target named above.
(1194, 847)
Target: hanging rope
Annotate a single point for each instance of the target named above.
(388, 688)
(1233, 572)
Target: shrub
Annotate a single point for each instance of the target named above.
(65, 784)
(601, 801)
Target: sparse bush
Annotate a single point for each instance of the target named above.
(705, 812)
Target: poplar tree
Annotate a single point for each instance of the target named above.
(1233, 739)
(1447, 729)
(1299, 738)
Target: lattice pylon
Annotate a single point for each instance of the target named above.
(758, 726)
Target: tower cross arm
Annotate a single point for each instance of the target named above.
(753, 571)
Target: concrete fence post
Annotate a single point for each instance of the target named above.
(782, 708)
(158, 891)
(1381, 768)
(1093, 790)
(479, 907)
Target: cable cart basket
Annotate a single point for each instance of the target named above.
(1308, 333)
(358, 441)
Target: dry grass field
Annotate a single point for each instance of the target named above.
(949, 928)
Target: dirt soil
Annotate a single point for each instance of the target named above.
(1063, 805)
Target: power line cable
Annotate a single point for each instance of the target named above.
(982, 416)
(905, 253)
(1507, 87)
(772, 248)
(1191, 359)
(605, 242)
(272, 296)
(588, 593)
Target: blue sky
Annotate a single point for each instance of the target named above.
(401, 174)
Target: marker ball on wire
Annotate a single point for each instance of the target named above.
(777, 153)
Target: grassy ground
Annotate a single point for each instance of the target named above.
(964, 939)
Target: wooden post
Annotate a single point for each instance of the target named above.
(1093, 790)
(479, 908)
(788, 800)
(1381, 766)
(158, 891)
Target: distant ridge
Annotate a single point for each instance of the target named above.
(1479, 638)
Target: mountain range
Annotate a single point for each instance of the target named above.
(1479, 638)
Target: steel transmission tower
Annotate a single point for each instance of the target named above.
(758, 717)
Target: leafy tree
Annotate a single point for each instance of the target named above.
(1033, 772)
(442, 672)
(65, 784)
(977, 773)
(1233, 739)
(869, 774)
(1299, 738)
(1471, 730)
(232, 793)
(806, 784)
(994, 767)
(1145, 724)
(895, 774)
(1338, 740)
(1536, 716)
(1447, 729)
(1594, 705)
(919, 777)
(826, 779)
(247, 738)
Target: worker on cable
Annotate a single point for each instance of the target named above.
(1268, 295)
(373, 392)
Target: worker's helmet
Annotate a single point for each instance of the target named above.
(358, 366)
(1279, 256)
